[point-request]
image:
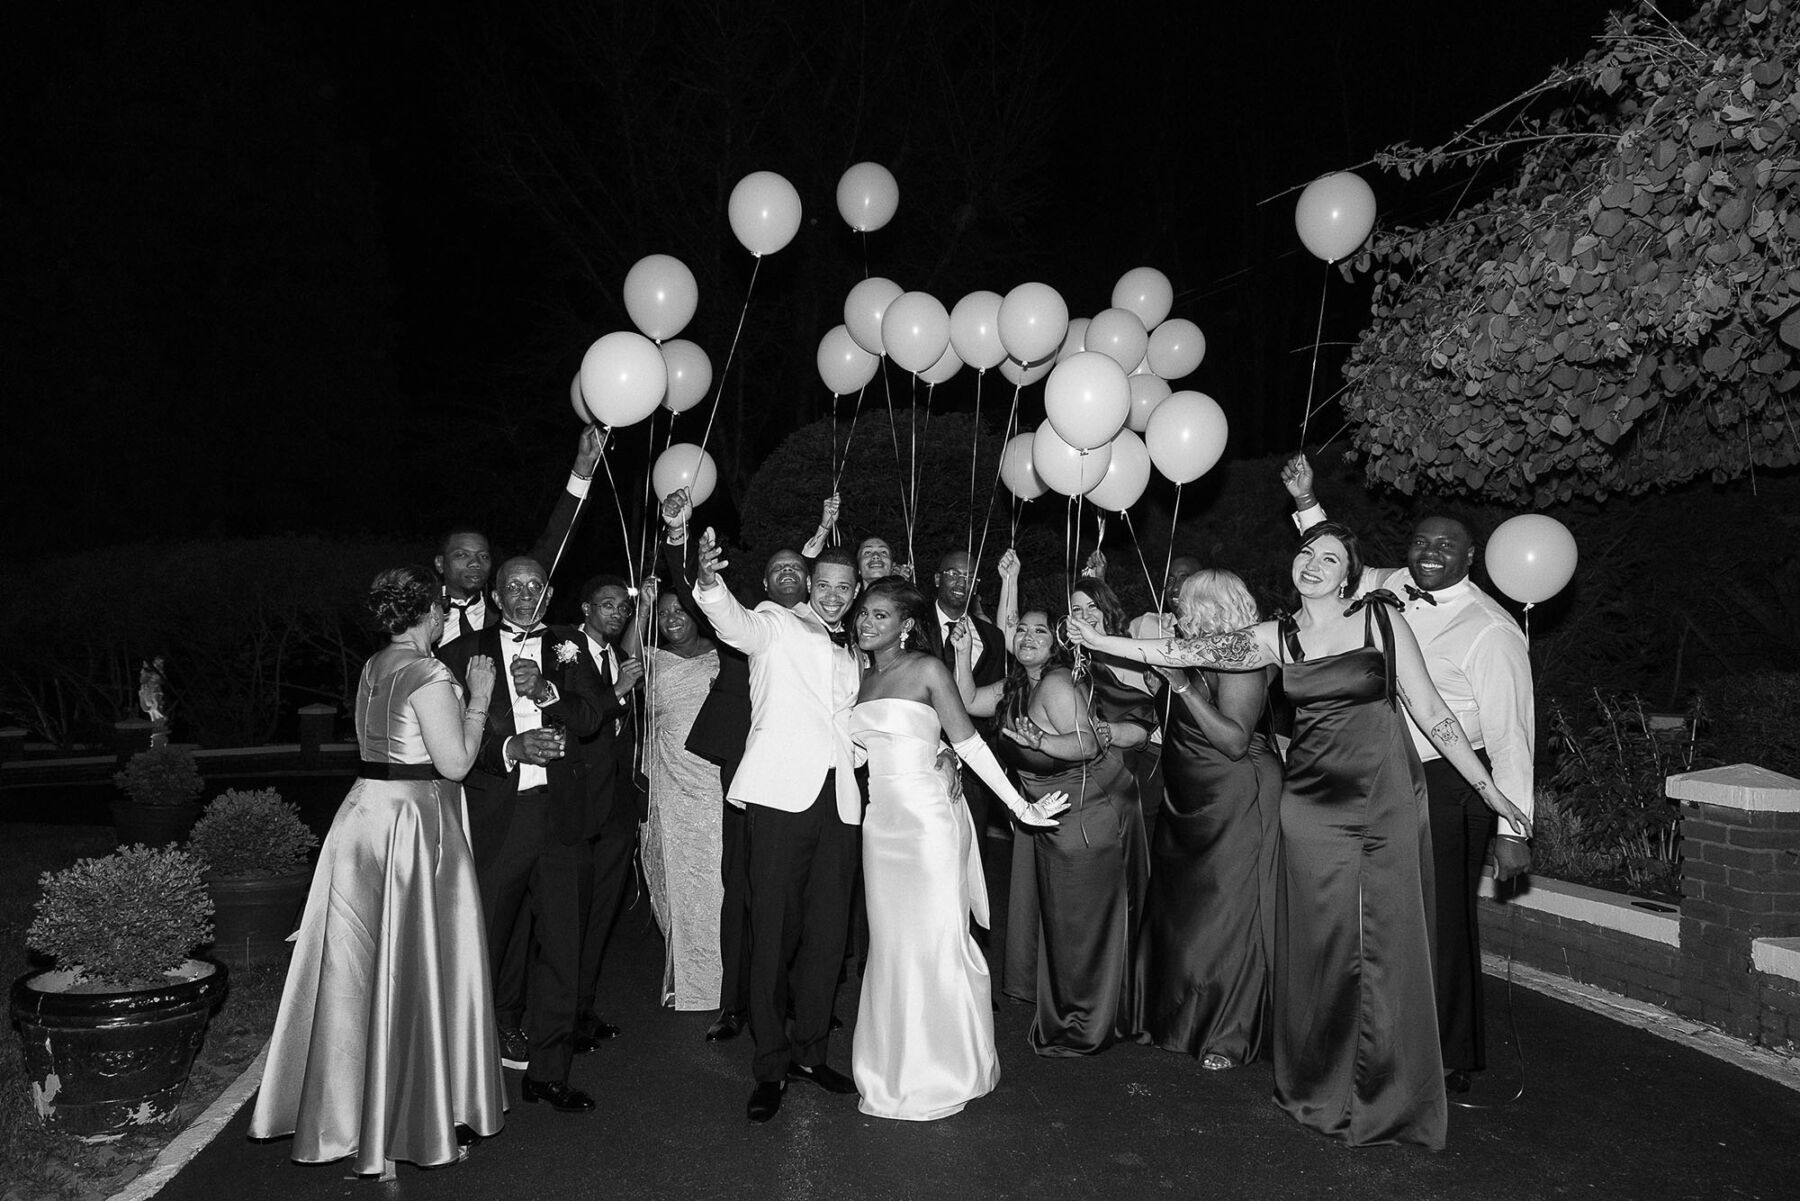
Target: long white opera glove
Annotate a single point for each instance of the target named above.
(980, 758)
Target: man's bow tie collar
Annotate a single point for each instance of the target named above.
(1413, 594)
(461, 606)
(840, 635)
(519, 635)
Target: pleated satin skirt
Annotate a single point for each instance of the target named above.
(385, 1040)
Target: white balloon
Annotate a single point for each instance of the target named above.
(660, 295)
(915, 329)
(1335, 214)
(944, 368)
(1075, 341)
(1176, 347)
(1126, 476)
(1531, 557)
(1118, 334)
(1033, 322)
(863, 310)
(1146, 292)
(844, 366)
(1087, 399)
(1147, 391)
(1186, 436)
(868, 196)
(1017, 470)
(684, 465)
(690, 374)
(764, 211)
(975, 330)
(1069, 471)
(623, 378)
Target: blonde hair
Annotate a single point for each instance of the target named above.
(1215, 602)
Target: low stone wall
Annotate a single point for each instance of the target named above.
(1729, 957)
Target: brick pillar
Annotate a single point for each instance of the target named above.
(1740, 879)
(316, 725)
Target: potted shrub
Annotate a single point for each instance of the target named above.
(253, 848)
(162, 786)
(110, 1034)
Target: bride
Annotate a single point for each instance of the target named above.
(924, 1044)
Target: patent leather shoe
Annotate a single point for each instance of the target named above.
(728, 1025)
(590, 1037)
(823, 1075)
(765, 1100)
(561, 1097)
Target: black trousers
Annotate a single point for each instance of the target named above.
(734, 908)
(530, 874)
(1461, 825)
(609, 864)
(801, 869)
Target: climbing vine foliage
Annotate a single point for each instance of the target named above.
(1624, 314)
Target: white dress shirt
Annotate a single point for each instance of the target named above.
(526, 713)
(459, 621)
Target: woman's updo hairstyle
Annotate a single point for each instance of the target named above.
(401, 596)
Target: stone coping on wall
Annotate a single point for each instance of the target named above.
(1777, 957)
(1742, 786)
(1597, 907)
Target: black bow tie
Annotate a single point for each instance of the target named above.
(519, 635)
(1413, 594)
(839, 636)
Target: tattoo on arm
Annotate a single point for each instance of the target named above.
(1238, 649)
(1447, 733)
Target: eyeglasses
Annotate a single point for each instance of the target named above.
(959, 577)
(523, 587)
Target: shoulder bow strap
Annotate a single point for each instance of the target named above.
(1377, 602)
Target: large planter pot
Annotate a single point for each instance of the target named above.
(253, 916)
(104, 1063)
(153, 825)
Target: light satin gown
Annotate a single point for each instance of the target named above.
(924, 1044)
(385, 1039)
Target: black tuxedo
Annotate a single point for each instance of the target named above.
(718, 735)
(530, 847)
(990, 668)
(619, 804)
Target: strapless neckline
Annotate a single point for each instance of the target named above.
(904, 700)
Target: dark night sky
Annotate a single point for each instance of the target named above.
(255, 268)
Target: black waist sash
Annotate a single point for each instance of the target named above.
(397, 771)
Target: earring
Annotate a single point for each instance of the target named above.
(1343, 590)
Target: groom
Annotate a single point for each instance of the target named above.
(804, 810)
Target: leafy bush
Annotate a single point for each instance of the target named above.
(1756, 719)
(162, 775)
(123, 919)
(1559, 842)
(1612, 774)
(251, 833)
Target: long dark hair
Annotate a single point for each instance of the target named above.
(1016, 696)
(908, 602)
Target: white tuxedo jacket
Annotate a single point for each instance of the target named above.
(802, 687)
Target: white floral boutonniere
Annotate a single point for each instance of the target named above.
(567, 652)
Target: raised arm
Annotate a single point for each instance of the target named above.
(1006, 616)
(735, 625)
(827, 520)
(643, 614)
(563, 517)
(1240, 650)
(978, 700)
(1428, 709)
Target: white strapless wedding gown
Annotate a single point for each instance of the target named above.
(924, 1044)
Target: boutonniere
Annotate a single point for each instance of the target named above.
(567, 652)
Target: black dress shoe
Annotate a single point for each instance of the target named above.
(558, 1093)
(765, 1100)
(823, 1075)
(726, 1025)
(1456, 1081)
(590, 1038)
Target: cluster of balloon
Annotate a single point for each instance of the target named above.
(623, 378)
(1531, 558)
(1335, 214)
(1110, 413)
(618, 383)
(684, 465)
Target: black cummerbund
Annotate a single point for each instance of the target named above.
(397, 771)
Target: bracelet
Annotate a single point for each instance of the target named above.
(1513, 837)
(477, 714)
(1305, 500)
(676, 535)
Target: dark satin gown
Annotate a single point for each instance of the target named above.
(1086, 901)
(1209, 923)
(1356, 1042)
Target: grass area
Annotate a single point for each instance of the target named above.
(41, 1164)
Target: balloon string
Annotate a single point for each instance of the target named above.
(550, 570)
(994, 488)
(974, 457)
(1162, 599)
(849, 437)
(706, 437)
(1312, 374)
(648, 528)
(1071, 553)
(624, 532)
(887, 387)
(1139, 548)
(1528, 608)
(912, 453)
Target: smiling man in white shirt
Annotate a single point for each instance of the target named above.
(1476, 655)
